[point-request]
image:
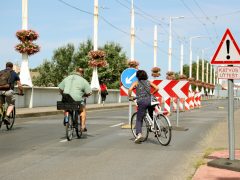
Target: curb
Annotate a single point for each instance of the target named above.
(56, 112)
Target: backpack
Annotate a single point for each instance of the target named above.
(5, 76)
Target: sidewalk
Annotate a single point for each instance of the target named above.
(52, 110)
(218, 144)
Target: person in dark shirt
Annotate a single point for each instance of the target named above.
(8, 95)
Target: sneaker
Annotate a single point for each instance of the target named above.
(139, 138)
(84, 129)
(7, 120)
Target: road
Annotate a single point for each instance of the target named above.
(37, 148)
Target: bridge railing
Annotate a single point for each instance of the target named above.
(48, 96)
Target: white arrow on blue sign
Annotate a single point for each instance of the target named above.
(128, 77)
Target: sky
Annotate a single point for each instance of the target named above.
(60, 22)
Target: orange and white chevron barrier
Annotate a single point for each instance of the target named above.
(196, 99)
(167, 105)
(174, 104)
(181, 104)
(191, 103)
(199, 99)
(187, 104)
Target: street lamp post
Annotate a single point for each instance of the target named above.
(170, 41)
(203, 70)
(190, 56)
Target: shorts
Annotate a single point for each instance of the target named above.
(8, 96)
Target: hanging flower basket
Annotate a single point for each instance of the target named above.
(97, 63)
(183, 77)
(198, 83)
(133, 64)
(156, 71)
(27, 35)
(170, 75)
(97, 55)
(191, 80)
(206, 85)
(156, 74)
(97, 59)
(27, 47)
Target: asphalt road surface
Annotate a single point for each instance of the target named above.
(37, 149)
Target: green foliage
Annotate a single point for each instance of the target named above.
(66, 59)
(194, 70)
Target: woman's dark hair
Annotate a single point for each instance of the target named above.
(141, 75)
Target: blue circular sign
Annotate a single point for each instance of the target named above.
(128, 77)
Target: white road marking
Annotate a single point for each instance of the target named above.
(65, 140)
(117, 125)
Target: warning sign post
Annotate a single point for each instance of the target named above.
(228, 53)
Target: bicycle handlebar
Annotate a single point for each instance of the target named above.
(133, 98)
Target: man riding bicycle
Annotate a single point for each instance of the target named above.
(77, 87)
(8, 77)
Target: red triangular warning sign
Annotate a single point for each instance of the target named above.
(228, 51)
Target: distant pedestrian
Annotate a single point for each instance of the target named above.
(103, 91)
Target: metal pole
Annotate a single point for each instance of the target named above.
(178, 110)
(132, 32)
(155, 47)
(190, 58)
(202, 91)
(132, 54)
(170, 45)
(214, 79)
(197, 75)
(207, 76)
(95, 80)
(181, 60)
(95, 28)
(231, 131)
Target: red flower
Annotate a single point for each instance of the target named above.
(27, 35)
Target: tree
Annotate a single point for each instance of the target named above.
(65, 60)
(117, 61)
(45, 71)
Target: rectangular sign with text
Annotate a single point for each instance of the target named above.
(228, 72)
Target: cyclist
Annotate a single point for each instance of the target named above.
(143, 87)
(8, 94)
(76, 87)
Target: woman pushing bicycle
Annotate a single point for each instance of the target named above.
(143, 93)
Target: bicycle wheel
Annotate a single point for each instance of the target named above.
(77, 125)
(69, 127)
(11, 119)
(163, 131)
(144, 127)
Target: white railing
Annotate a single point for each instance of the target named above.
(48, 96)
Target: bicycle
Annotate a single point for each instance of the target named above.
(4, 112)
(73, 122)
(159, 125)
